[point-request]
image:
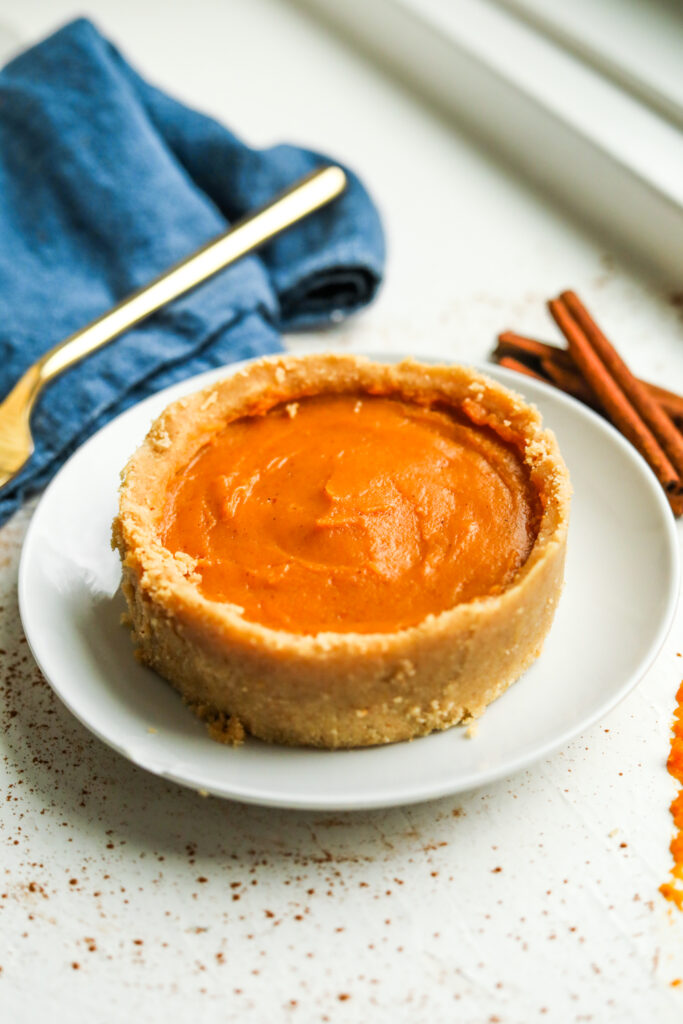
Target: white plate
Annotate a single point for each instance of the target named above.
(617, 606)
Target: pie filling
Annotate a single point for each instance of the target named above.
(352, 513)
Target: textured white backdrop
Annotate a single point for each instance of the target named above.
(533, 899)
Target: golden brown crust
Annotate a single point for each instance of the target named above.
(335, 689)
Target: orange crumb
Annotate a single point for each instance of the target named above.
(221, 727)
(669, 892)
(226, 729)
(675, 767)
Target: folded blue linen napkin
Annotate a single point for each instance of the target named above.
(106, 181)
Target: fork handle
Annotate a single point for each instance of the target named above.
(316, 190)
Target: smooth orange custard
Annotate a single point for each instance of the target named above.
(352, 513)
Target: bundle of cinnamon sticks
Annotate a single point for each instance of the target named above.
(591, 369)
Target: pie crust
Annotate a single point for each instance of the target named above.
(335, 689)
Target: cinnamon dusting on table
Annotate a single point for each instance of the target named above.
(591, 370)
(674, 890)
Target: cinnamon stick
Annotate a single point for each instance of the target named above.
(671, 403)
(520, 346)
(616, 403)
(514, 364)
(676, 502)
(645, 405)
(569, 380)
(516, 345)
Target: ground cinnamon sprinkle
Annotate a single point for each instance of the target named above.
(675, 765)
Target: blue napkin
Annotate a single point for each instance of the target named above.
(104, 182)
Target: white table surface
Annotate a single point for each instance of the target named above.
(125, 897)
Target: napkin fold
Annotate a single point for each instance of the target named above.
(105, 181)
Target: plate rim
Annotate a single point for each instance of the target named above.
(426, 791)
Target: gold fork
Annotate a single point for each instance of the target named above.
(303, 198)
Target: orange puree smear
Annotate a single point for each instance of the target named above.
(674, 892)
(352, 513)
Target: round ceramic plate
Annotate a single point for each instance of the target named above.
(617, 606)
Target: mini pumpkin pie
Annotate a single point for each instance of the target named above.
(335, 552)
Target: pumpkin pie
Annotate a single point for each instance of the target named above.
(334, 552)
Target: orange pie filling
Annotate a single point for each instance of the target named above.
(352, 513)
